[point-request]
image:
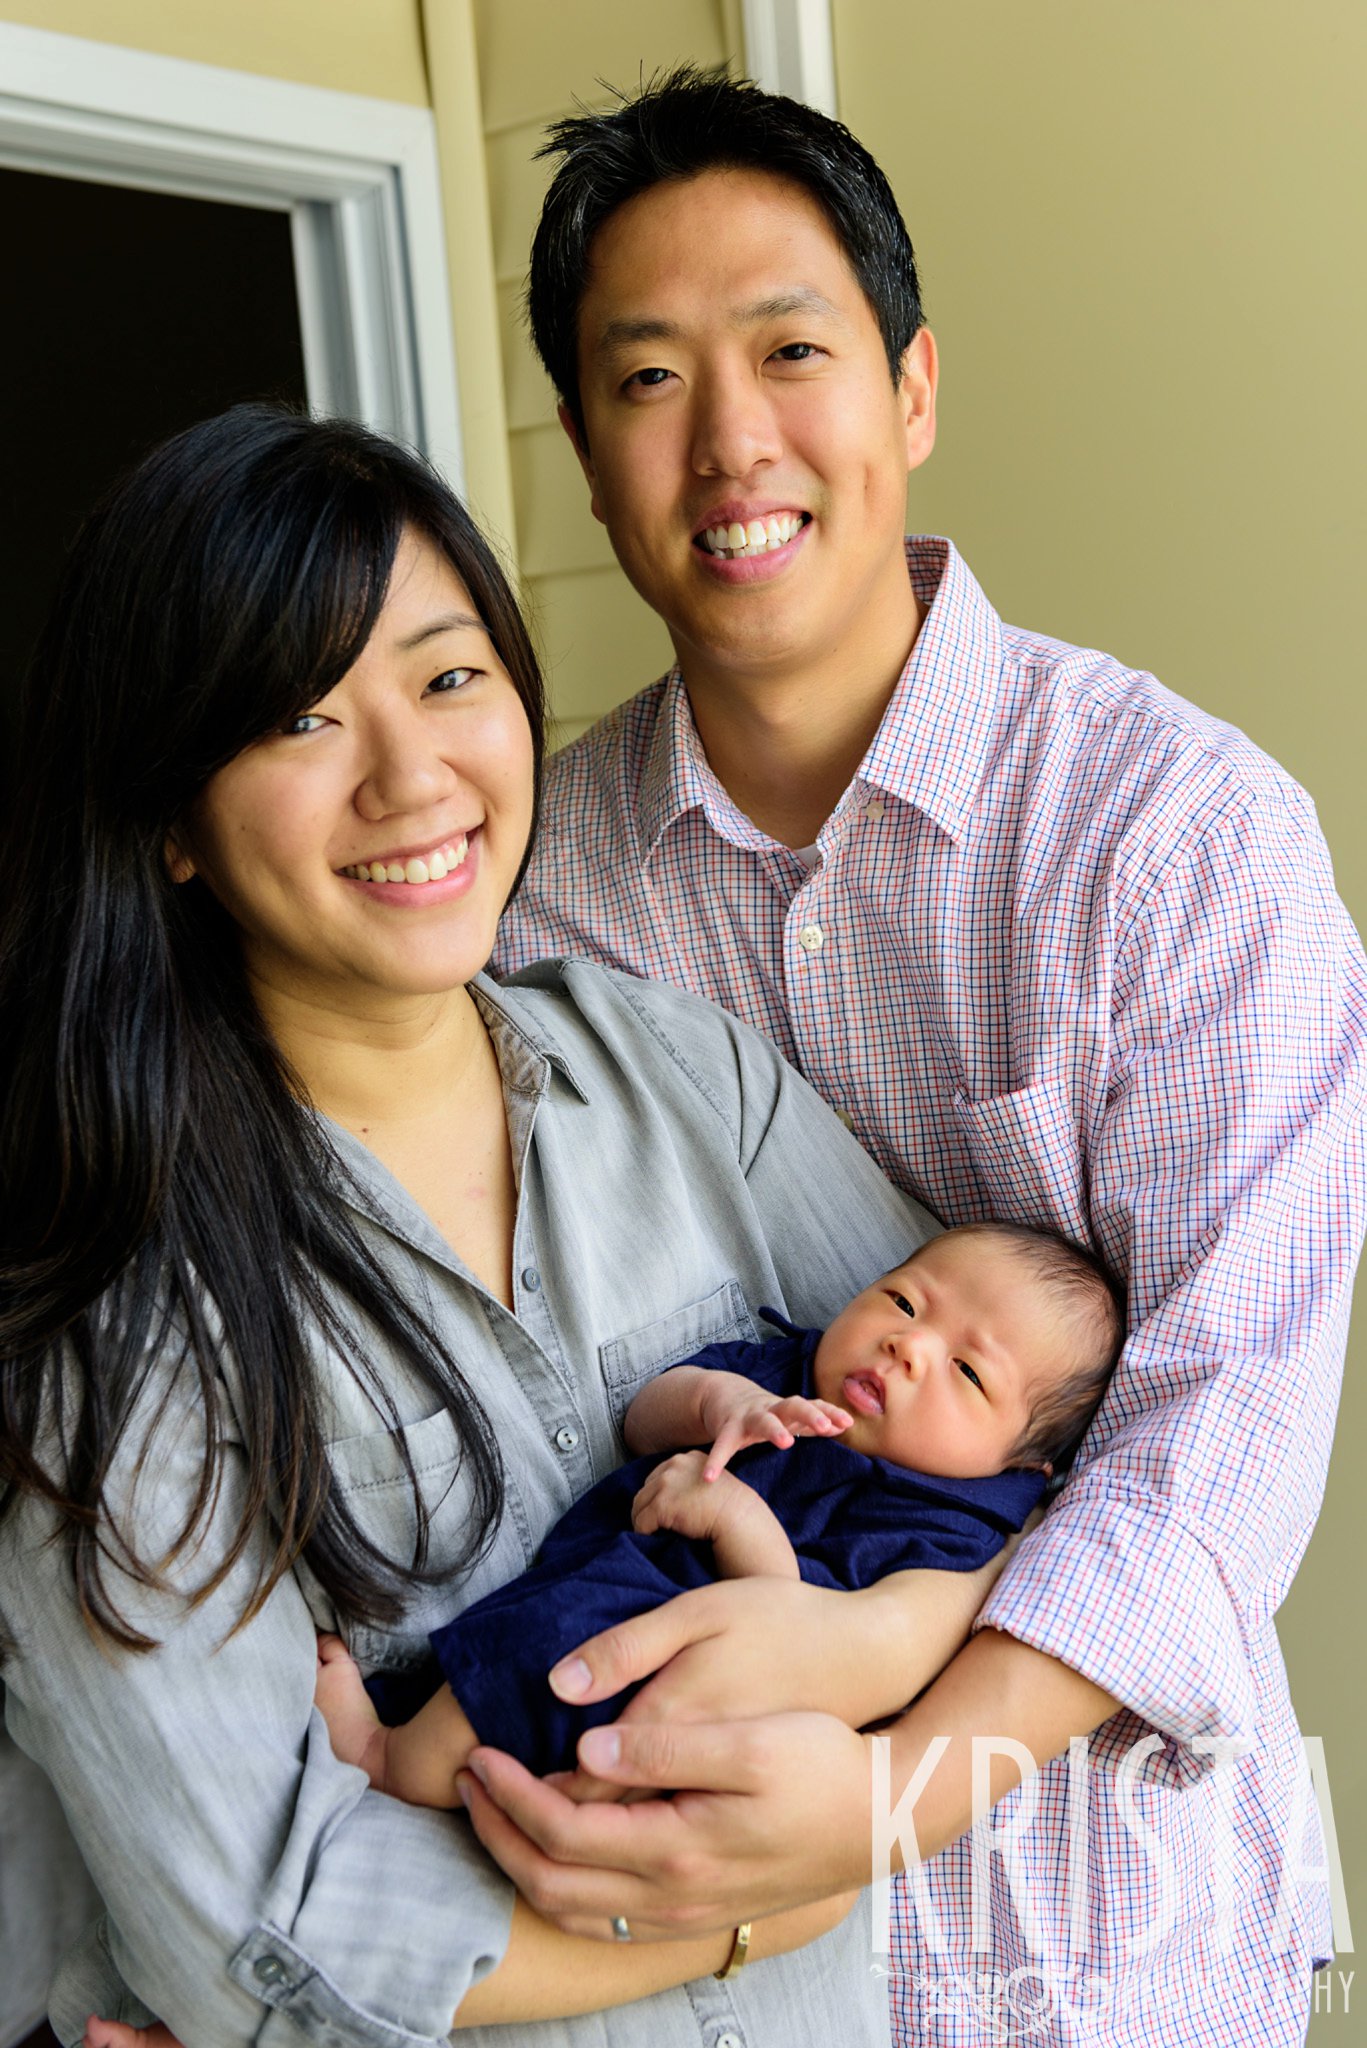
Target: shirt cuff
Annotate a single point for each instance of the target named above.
(1121, 1586)
(396, 1923)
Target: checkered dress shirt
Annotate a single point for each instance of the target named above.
(1070, 952)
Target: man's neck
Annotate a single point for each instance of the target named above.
(786, 748)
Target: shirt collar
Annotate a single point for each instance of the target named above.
(526, 1052)
(679, 777)
(522, 1041)
(930, 749)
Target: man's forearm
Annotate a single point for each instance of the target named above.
(995, 1688)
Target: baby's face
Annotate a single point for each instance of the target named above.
(940, 1360)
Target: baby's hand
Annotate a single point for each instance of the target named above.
(767, 1420)
(676, 1497)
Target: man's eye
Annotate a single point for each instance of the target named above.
(903, 1304)
(307, 721)
(969, 1373)
(451, 679)
(797, 352)
(648, 380)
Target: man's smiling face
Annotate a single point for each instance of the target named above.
(732, 372)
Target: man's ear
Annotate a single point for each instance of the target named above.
(916, 395)
(179, 866)
(581, 449)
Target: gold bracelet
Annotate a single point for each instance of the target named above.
(740, 1949)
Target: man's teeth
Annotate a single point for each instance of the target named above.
(435, 868)
(756, 537)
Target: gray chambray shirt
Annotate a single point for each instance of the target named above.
(673, 1174)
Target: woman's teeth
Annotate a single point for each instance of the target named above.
(435, 868)
(756, 537)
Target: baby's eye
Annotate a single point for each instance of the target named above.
(903, 1304)
(307, 721)
(451, 679)
(966, 1369)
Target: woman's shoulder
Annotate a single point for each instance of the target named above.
(593, 1018)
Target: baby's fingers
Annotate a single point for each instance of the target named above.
(735, 1433)
(830, 1419)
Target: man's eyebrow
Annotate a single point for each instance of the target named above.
(445, 622)
(803, 298)
(620, 335)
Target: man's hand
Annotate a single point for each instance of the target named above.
(735, 1420)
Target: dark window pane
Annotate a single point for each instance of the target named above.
(127, 315)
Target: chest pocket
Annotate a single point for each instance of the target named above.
(368, 1470)
(629, 1361)
(1025, 1150)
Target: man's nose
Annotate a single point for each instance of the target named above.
(735, 427)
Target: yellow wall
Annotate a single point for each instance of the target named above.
(536, 57)
(1141, 234)
(370, 46)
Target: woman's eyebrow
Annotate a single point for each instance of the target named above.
(447, 622)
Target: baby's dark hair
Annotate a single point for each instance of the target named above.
(1092, 1302)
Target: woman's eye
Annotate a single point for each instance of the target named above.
(451, 679)
(904, 1305)
(969, 1373)
(307, 721)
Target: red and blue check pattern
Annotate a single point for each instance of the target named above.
(1070, 951)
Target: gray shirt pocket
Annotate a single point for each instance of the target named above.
(722, 1317)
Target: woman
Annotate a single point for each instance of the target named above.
(330, 1267)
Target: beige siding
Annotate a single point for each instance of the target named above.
(370, 46)
(535, 61)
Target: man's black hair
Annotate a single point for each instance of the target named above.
(677, 126)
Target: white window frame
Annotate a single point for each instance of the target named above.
(358, 178)
(790, 48)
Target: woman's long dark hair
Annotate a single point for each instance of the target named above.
(166, 1193)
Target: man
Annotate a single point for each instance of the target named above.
(1059, 948)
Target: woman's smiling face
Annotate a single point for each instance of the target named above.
(418, 764)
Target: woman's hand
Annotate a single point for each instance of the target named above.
(777, 1813)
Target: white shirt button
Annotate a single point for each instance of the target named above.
(874, 810)
(566, 1439)
(811, 939)
(531, 1279)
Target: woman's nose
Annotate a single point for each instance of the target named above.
(735, 428)
(404, 770)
